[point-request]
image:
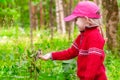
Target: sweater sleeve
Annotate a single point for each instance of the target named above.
(68, 53)
(95, 57)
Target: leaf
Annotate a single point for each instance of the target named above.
(3, 1)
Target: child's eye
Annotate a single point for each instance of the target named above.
(98, 12)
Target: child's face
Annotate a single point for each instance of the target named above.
(81, 23)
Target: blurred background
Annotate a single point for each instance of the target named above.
(29, 25)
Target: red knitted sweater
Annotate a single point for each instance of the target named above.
(88, 47)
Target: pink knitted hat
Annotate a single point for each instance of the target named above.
(84, 8)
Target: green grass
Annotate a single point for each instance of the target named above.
(15, 57)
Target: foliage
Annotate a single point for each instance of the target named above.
(16, 12)
(112, 66)
(118, 2)
(14, 58)
(7, 13)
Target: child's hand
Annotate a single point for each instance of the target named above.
(44, 57)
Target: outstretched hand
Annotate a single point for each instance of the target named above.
(43, 57)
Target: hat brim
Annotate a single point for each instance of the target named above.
(70, 18)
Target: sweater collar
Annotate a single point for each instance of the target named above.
(87, 29)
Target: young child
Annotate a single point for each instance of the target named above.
(88, 46)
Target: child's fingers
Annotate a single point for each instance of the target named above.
(43, 57)
(38, 54)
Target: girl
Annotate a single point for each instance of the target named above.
(88, 46)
